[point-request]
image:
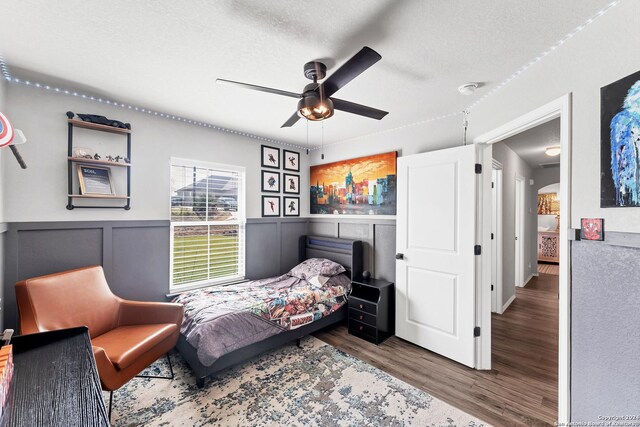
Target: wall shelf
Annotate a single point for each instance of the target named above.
(99, 162)
(96, 196)
(71, 161)
(95, 126)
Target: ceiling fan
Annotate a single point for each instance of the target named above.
(316, 101)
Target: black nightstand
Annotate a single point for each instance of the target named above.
(371, 309)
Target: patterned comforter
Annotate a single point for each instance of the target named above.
(222, 319)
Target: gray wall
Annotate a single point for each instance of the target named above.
(605, 350)
(3, 227)
(378, 236)
(513, 165)
(134, 254)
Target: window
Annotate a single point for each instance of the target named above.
(207, 224)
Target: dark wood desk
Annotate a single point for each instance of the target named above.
(55, 382)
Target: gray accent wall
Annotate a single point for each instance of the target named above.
(605, 338)
(134, 254)
(377, 235)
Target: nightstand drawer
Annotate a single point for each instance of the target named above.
(362, 305)
(361, 328)
(361, 316)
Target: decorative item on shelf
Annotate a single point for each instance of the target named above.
(110, 158)
(270, 182)
(102, 120)
(96, 156)
(82, 152)
(95, 180)
(126, 160)
(270, 157)
(291, 206)
(291, 160)
(619, 127)
(117, 159)
(270, 206)
(366, 275)
(291, 183)
(362, 186)
(592, 229)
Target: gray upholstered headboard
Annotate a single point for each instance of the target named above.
(344, 251)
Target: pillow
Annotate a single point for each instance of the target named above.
(316, 267)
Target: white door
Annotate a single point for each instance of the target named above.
(436, 265)
(519, 226)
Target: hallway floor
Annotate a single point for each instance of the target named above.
(520, 390)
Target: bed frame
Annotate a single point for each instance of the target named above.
(343, 251)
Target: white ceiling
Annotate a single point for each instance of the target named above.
(530, 145)
(166, 54)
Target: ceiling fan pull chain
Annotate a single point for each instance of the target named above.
(322, 142)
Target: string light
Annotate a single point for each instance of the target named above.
(7, 76)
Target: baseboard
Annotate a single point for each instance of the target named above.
(508, 303)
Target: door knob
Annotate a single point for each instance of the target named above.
(399, 256)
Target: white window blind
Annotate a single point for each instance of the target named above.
(207, 224)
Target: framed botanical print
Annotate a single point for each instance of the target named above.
(270, 205)
(270, 157)
(291, 183)
(290, 160)
(291, 206)
(270, 182)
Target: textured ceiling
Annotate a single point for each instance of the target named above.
(530, 145)
(166, 55)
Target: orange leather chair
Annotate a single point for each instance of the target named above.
(127, 336)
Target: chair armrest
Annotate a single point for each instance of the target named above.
(145, 313)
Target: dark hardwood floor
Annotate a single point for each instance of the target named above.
(520, 390)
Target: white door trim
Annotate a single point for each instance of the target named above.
(519, 230)
(497, 166)
(561, 108)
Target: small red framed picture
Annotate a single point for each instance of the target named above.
(592, 229)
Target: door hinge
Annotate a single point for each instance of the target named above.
(491, 236)
(477, 249)
(491, 287)
(478, 168)
(492, 184)
(476, 331)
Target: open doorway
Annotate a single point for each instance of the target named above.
(542, 304)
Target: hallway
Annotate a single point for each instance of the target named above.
(520, 390)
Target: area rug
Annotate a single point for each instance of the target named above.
(316, 385)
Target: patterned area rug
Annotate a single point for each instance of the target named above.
(316, 385)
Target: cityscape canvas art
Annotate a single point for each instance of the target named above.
(361, 186)
(620, 143)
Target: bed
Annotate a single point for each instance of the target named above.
(216, 334)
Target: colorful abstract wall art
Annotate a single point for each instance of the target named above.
(362, 186)
(620, 143)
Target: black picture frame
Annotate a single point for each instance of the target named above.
(275, 199)
(286, 161)
(95, 180)
(285, 183)
(265, 184)
(269, 157)
(285, 205)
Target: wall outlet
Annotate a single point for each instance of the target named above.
(529, 266)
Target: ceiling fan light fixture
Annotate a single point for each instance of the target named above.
(311, 107)
(468, 88)
(552, 151)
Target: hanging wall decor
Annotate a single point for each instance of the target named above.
(362, 186)
(620, 143)
(290, 160)
(270, 157)
(591, 229)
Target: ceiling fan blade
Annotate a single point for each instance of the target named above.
(292, 120)
(361, 110)
(350, 70)
(259, 88)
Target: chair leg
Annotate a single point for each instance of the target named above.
(110, 403)
(159, 376)
(298, 344)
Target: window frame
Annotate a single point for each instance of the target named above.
(240, 222)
